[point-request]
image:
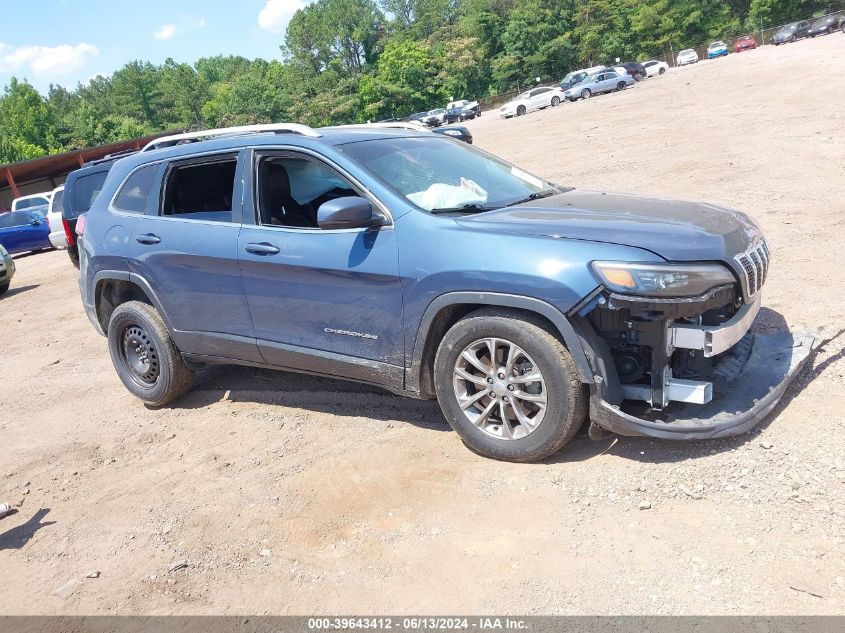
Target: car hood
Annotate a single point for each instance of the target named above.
(676, 230)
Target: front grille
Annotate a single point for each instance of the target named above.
(754, 264)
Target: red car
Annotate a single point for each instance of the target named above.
(745, 43)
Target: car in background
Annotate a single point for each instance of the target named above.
(458, 132)
(635, 69)
(601, 82)
(37, 201)
(791, 32)
(7, 269)
(22, 231)
(717, 49)
(534, 99)
(577, 76)
(418, 117)
(654, 67)
(825, 25)
(81, 189)
(468, 109)
(745, 43)
(687, 56)
(54, 219)
(435, 118)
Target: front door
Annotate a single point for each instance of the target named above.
(328, 301)
(186, 247)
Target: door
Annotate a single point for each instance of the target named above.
(540, 98)
(18, 233)
(328, 301)
(185, 248)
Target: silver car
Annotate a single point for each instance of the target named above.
(597, 83)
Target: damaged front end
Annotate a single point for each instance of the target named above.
(672, 352)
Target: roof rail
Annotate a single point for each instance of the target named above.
(174, 139)
(399, 125)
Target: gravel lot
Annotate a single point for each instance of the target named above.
(288, 494)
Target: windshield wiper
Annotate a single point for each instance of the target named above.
(471, 207)
(533, 196)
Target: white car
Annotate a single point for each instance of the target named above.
(687, 56)
(534, 99)
(654, 68)
(58, 238)
(34, 202)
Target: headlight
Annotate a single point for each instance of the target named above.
(451, 132)
(662, 280)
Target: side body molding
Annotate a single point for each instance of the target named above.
(530, 304)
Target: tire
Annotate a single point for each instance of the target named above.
(73, 254)
(4, 288)
(555, 102)
(539, 353)
(520, 111)
(662, 71)
(621, 85)
(167, 376)
(586, 94)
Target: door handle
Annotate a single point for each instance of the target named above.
(261, 248)
(148, 238)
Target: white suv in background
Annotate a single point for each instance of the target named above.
(54, 218)
(687, 56)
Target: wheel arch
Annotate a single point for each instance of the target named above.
(113, 288)
(446, 310)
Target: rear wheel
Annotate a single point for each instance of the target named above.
(586, 94)
(508, 387)
(555, 102)
(621, 85)
(520, 110)
(144, 355)
(4, 288)
(662, 71)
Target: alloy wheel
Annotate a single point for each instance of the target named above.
(500, 389)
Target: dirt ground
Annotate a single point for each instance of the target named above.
(287, 494)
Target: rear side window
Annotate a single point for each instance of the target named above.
(85, 191)
(136, 189)
(16, 218)
(20, 205)
(201, 191)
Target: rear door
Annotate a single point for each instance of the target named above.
(328, 301)
(185, 247)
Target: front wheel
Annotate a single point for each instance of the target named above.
(508, 387)
(555, 102)
(662, 71)
(144, 355)
(520, 111)
(586, 94)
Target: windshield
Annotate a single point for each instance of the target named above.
(787, 29)
(717, 45)
(437, 174)
(437, 111)
(688, 52)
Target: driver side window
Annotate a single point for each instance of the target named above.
(290, 190)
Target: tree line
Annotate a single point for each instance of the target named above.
(354, 60)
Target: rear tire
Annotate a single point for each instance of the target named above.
(73, 254)
(144, 355)
(4, 288)
(555, 102)
(504, 391)
(621, 85)
(586, 93)
(662, 71)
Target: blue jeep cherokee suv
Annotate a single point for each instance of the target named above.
(423, 265)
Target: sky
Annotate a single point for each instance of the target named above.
(67, 41)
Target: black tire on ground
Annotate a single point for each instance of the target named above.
(520, 111)
(661, 71)
(586, 93)
(73, 254)
(167, 376)
(4, 288)
(621, 85)
(555, 102)
(566, 396)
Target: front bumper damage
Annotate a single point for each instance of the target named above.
(744, 373)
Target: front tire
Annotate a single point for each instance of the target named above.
(144, 355)
(586, 94)
(520, 111)
(508, 386)
(662, 71)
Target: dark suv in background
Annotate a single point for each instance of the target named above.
(410, 261)
(81, 189)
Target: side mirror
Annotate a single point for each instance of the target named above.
(35, 222)
(349, 212)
